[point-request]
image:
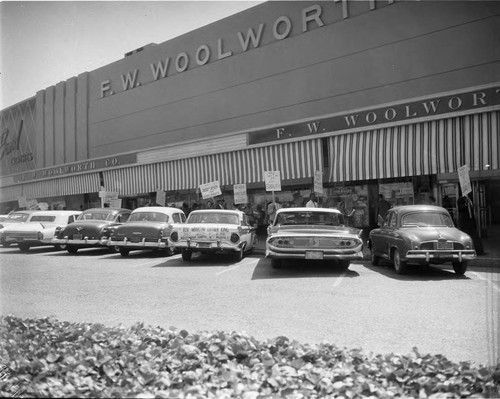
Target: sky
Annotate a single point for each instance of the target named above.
(45, 42)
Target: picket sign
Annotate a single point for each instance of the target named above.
(210, 190)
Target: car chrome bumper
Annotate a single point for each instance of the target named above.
(68, 241)
(141, 244)
(198, 246)
(460, 255)
(270, 253)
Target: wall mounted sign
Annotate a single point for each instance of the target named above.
(78, 167)
(371, 118)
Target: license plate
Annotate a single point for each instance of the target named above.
(204, 245)
(77, 236)
(314, 254)
(444, 245)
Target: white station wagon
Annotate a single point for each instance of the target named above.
(38, 230)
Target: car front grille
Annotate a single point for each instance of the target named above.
(441, 245)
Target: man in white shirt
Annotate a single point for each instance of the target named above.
(312, 201)
(272, 207)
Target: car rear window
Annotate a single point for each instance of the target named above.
(154, 217)
(210, 217)
(96, 216)
(21, 217)
(42, 218)
(423, 219)
(309, 218)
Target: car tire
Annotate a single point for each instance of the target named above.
(187, 255)
(240, 254)
(399, 265)
(343, 264)
(23, 247)
(276, 263)
(460, 268)
(374, 258)
(114, 249)
(72, 249)
(124, 252)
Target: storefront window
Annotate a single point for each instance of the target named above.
(352, 201)
(400, 193)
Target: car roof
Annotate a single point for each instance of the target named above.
(106, 210)
(305, 209)
(418, 208)
(226, 211)
(160, 209)
(55, 213)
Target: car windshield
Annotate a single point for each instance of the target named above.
(18, 217)
(212, 217)
(154, 217)
(96, 216)
(42, 218)
(309, 218)
(423, 219)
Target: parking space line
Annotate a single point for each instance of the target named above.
(339, 279)
(493, 285)
(227, 270)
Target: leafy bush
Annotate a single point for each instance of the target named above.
(49, 358)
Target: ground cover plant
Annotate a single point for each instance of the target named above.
(51, 358)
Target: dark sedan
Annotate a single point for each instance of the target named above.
(89, 230)
(420, 234)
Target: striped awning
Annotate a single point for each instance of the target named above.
(70, 185)
(294, 160)
(425, 148)
(140, 179)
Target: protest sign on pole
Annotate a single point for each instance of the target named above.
(161, 197)
(210, 190)
(273, 180)
(22, 202)
(318, 182)
(464, 179)
(240, 193)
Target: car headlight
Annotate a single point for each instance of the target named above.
(174, 236)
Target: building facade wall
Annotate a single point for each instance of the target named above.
(248, 93)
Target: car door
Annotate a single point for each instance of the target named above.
(248, 232)
(382, 237)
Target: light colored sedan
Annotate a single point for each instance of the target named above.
(147, 228)
(214, 231)
(38, 230)
(312, 234)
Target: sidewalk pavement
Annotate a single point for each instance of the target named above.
(491, 256)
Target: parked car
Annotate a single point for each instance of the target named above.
(420, 234)
(38, 230)
(13, 218)
(146, 228)
(312, 234)
(88, 230)
(214, 231)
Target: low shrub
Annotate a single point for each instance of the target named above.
(50, 358)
